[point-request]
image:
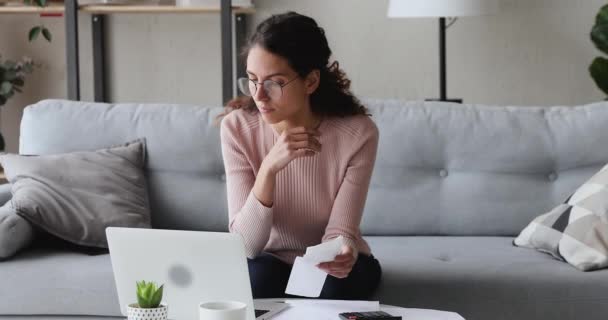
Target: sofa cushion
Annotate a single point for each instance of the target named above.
(75, 196)
(58, 282)
(486, 278)
(577, 230)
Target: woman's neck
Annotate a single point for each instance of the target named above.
(309, 121)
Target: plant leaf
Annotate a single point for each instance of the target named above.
(147, 292)
(599, 36)
(602, 15)
(47, 34)
(142, 302)
(599, 72)
(2, 100)
(5, 88)
(34, 32)
(157, 297)
(10, 75)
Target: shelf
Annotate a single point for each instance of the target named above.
(107, 9)
(233, 27)
(19, 8)
(104, 9)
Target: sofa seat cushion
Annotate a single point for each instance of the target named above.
(58, 282)
(486, 278)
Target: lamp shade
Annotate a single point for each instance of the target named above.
(441, 8)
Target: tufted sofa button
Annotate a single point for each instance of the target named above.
(223, 177)
(443, 173)
(552, 176)
(443, 257)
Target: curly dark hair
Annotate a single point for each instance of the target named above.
(299, 40)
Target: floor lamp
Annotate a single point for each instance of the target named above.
(442, 9)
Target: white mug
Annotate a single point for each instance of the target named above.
(222, 310)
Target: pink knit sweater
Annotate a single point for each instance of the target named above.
(316, 198)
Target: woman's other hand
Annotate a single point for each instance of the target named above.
(342, 264)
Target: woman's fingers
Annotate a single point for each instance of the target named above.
(303, 137)
(336, 266)
(304, 153)
(344, 257)
(316, 146)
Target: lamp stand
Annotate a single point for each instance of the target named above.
(442, 65)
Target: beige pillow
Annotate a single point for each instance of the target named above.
(577, 230)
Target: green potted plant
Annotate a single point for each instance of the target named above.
(148, 306)
(12, 79)
(599, 35)
(12, 73)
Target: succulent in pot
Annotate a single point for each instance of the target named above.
(149, 304)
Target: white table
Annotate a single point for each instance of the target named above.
(421, 314)
(329, 310)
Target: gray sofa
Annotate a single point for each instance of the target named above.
(452, 186)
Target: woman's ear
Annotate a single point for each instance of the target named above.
(312, 81)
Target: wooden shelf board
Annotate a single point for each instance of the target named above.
(109, 9)
(12, 8)
(104, 9)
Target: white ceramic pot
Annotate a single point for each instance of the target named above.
(134, 312)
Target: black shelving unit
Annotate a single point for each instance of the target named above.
(98, 22)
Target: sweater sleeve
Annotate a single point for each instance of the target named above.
(347, 210)
(246, 214)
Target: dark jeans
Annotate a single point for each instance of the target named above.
(269, 277)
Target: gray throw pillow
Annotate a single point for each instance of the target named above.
(75, 196)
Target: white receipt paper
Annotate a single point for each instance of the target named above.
(306, 280)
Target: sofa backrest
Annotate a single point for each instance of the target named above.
(441, 169)
(184, 162)
(452, 169)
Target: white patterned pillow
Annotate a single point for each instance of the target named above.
(577, 230)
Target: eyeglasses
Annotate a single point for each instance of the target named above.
(273, 89)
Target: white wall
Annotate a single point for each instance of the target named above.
(535, 52)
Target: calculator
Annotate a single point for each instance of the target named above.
(368, 315)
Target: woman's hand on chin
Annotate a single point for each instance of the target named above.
(293, 143)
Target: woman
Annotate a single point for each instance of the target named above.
(298, 151)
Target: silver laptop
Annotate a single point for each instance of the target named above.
(193, 266)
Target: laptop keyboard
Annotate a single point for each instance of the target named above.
(260, 312)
